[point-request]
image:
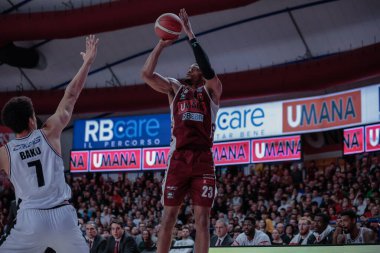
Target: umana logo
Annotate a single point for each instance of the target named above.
(324, 112)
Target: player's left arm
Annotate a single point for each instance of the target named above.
(4, 160)
(213, 84)
(59, 120)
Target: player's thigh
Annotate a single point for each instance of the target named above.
(26, 233)
(203, 185)
(177, 180)
(68, 236)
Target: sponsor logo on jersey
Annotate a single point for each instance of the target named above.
(193, 116)
(27, 145)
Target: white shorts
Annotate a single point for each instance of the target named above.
(35, 230)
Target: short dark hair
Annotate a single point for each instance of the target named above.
(253, 220)
(16, 113)
(325, 217)
(350, 213)
(117, 221)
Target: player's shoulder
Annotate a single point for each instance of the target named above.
(172, 80)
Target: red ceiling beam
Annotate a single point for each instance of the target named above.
(311, 75)
(100, 18)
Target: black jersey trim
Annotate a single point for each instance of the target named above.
(43, 134)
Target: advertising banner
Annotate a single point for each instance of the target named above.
(276, 149)
(155, 158)
(248, 121)
(121, 132)
(372, 138)
(230, 153)
(79, 161)
(322, 113)
(115, 160)
(353, 141)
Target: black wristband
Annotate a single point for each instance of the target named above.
(202, 59)
(192, 41)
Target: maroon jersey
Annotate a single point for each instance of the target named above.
(193, 115)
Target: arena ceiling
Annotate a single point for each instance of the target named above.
(266, 48)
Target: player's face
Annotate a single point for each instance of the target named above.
(220, 229)
(194, 73)
(116, 230)
(90, 231)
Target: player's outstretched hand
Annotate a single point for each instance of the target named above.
(165, 43)
(186, 23)
(91, 49)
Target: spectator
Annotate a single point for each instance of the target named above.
(280, 229)
(147, 244)
(96, 243)
(304, 232)
(276, 238)
(251, 236)
(221, 237)
(119, 241)
(185, 241)
(323, 233)
(347, 231)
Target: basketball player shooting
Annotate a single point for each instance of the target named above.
(35, 167)
(193, 107)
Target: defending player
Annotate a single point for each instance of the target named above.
(35, 167)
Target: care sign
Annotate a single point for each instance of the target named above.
(248, 121)
(121, 132)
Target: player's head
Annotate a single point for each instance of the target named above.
(18, 114)
(321, 222)
(194, 74)
(249, 226)
(91, 229)
(348, 220)
(117, 228)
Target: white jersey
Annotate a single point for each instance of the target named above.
(359, 239)
(37, 172)
(260, 238)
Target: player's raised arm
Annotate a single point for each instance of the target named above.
(152, 78)
(213, 83)
(59, 120)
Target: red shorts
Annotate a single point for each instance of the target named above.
(190, 171)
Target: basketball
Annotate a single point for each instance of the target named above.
(168, 26)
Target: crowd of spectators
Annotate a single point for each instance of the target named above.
(288, 204)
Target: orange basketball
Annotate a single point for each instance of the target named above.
(168, 26)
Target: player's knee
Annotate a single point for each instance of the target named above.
(169, 217)
(202, 221)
